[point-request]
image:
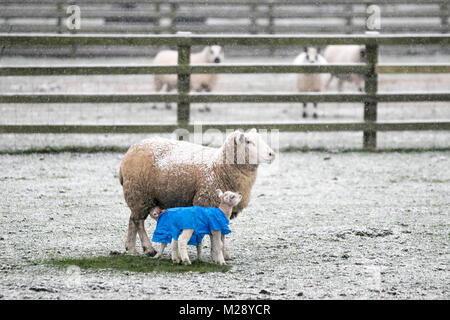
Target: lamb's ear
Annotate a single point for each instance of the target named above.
(219, 193)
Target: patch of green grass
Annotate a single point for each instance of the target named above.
(144, 264)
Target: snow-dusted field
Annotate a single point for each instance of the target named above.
(320, 225)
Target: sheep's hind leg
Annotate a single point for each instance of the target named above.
(182, 245)
(130, 244)
(145, 241)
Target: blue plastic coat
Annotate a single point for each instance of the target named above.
(202, 220)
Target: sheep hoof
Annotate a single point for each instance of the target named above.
(315, 116)
(154, 107)
(168, 107)
(150, 253)
(186, 262)
(305, 115)
(207, 109)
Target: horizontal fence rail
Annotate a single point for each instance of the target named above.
(265, 16)
(184, 43)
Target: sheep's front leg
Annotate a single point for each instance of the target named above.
(216, 247)
(161, 250)
(226, 254)
(145, 241)
(183, 239)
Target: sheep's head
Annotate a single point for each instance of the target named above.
(247, 148)
(229, 198)
(311, 54)
(156, 212)
(214, 54)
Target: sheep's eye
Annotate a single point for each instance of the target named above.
(247, 141)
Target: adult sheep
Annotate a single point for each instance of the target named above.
(162, 173)
(310, 82)
(346, 54)
(199, 82)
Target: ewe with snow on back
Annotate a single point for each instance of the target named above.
(346, 54)
(199, 82)
(162, 173)
(310, 82)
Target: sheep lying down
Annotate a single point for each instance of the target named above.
(167, 173)
(188, 225)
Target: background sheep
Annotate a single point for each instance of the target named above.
(199, 82)
(168, 173)
(346, 54)
(310, 82)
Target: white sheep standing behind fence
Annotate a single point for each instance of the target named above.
(199, 82)
(310, 82)
(346, 54)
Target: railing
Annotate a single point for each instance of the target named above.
(261, 16)
(184, 97)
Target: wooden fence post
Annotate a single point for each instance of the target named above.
(371, 89)
(184, 83)
(444, 17)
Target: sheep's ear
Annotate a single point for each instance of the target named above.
(219, 193)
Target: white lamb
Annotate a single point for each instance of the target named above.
(188, 225)
(310, 82)
(346, 54)
(199, 82)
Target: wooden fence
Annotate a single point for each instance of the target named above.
(224, 16)
(184, 97)
(216, 17)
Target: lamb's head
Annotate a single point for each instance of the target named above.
(214, 54)
(311, 54)
(156, 212)
(229, 198)
(247, 148)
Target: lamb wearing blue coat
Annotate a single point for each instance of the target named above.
(188, 225)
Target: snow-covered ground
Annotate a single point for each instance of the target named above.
(320, 225)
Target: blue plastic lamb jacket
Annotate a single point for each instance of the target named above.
(202, 220)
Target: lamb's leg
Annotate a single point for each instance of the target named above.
(183, 239)
(161, 250)
(199, 251)
(175, 253)
(216, 247)
(145, 241)
(226, 254)
(130, 243)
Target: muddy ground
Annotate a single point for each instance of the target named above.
(320, 225)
